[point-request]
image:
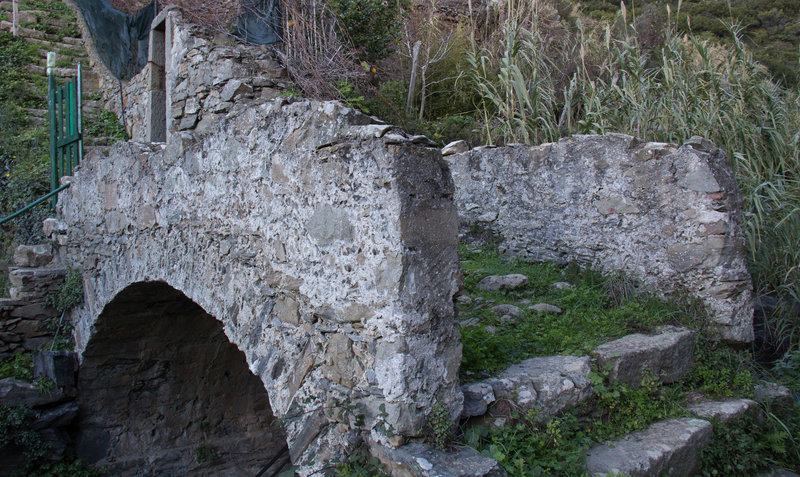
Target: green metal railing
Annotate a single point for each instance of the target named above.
(66, 133)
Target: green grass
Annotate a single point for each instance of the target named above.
(595, 310)
(598, 309)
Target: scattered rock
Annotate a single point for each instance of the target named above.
(773, 393)
(469, 322)
(722, 410)
(561, 285)
(508, 310)
(491, 329)
(422, 460)
(234, 88)
(477, 397)
(502, 282)
(33, 255)
(545, 308)
(455, 147)
(666, 447)
(549, 384)
(59, 416)
(14, 392)
(668, 355)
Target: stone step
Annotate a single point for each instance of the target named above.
(78, 54)
(666, 354)
(54, 45)
(723, 411)
(422, 460)
(29, 32)
(550, 385)
(667, 447)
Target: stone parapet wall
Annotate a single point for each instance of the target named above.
(325, 243)
(670, 216)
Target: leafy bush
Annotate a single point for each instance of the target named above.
(19, 366)
(371, 24)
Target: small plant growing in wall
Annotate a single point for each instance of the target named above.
(440, 427)
(70, 294)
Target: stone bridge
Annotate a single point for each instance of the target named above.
(299, 258)
(264, 273)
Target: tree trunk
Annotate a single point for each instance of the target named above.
(413, 81)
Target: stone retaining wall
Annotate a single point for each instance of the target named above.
(670, 216)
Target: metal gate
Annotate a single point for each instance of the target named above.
(66, 133)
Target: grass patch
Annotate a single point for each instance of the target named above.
(106, 124)
(19, 366)
(596, 309)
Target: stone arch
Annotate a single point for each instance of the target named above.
(163, 390)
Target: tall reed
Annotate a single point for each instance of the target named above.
(683, 88)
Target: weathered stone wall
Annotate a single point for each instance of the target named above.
(670, 216)
(26, 321)
(205, 73)
(324, 243)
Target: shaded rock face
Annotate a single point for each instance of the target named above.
(669, 216)
(325, 247)
(162, 390)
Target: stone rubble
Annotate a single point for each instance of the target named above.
(547, 385)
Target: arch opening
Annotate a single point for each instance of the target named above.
(161, 390)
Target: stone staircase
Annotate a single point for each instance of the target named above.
(53, 32)
(553, 384)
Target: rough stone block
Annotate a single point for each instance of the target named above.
(722, 410)
(422, 460)
(665, 448)
(58, 366)
(14, 392)
(33, 255)
(668, 355)
(502, 282)
(550, 384)
(477, 398)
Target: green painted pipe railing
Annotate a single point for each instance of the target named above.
(33, 204)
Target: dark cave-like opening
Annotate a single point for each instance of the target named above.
(162, 391)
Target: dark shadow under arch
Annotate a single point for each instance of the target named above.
(162, 391)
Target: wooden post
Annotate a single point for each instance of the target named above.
(14, 17)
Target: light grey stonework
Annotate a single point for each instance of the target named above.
(665, 448)
(722, 410)
(667, 355)
(328, 252)
(548, 385)
(667, 215)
